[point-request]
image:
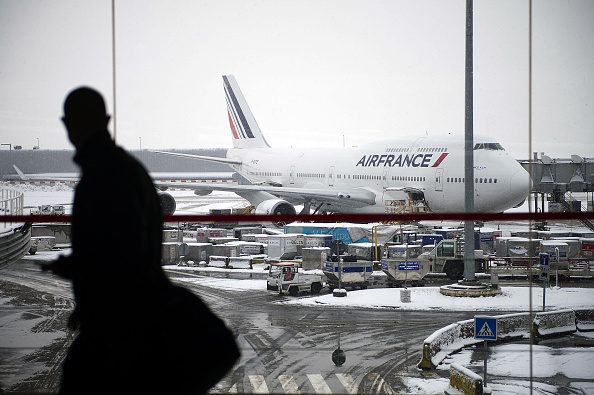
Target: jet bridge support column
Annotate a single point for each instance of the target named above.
(468, 152)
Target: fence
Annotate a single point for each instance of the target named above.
(11, 202)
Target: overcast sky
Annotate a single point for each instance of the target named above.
(312, 71)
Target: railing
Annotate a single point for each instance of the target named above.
(484, 217)
(14, 243)
(11, 202)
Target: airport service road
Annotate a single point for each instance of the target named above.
(288, 348)
(284, 348)
(34, 310)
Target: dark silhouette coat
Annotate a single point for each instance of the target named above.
(138, 333)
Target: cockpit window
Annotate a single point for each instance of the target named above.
(489, 146)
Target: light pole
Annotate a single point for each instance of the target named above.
(557, 268)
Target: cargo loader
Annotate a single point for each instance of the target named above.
(407, 264)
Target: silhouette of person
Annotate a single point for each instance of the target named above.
(137, 332)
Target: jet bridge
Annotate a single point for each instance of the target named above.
(556, 180)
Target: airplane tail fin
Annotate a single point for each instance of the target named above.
(22, 175)
(244, 128)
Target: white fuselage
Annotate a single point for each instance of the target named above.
(434, 166)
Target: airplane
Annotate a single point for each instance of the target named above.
(161, 180)
(364, 179)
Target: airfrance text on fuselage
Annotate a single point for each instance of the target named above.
(418, 160)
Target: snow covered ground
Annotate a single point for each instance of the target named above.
(553, 367)
(422, 298)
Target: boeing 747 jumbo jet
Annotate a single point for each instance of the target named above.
(364, 179)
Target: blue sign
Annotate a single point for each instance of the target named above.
(543, 259)
(408, 266)
(485, 328)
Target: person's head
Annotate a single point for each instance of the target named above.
(84, 115)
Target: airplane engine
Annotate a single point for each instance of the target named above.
(275, 206)
(202, 192)
(167, 203)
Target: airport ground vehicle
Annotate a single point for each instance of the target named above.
(355, 273)
(408, 264)
(286, 277)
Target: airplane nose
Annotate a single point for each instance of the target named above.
(520, 185)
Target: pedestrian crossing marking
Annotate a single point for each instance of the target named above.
(319, 384)
(486, 331)
(347, 382)
(258, 384)
(289, 384)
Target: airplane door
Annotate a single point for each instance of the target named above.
(439, 180)
(385, 177)
(331, 177)
(292, 175)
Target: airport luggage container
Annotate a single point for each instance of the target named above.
(240, 231)
(317, 241)
(251, 248)
(365, 251)
(222, 240)
(401, 272)
(203, 234)
(61, 232)
(354, 274)
(263, 238)
(557, 250)
(587, 248)
(314, 257)
(189, 236)
(285, 246)
(44, 242)
(501, 246)
(171, 235)
(518, 247)
(228, 249)
(240, 262)
(169, 253)
(249, 237)
(218, 261)
(199, 252)
(487, 240)
(574, 246)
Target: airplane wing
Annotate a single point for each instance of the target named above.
(350, 198)
(161, 180)
(208, 158)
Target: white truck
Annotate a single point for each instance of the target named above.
(286, 277)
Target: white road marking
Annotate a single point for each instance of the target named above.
(348, 383)
(289, 384)
(319, 384)
(258, 384)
